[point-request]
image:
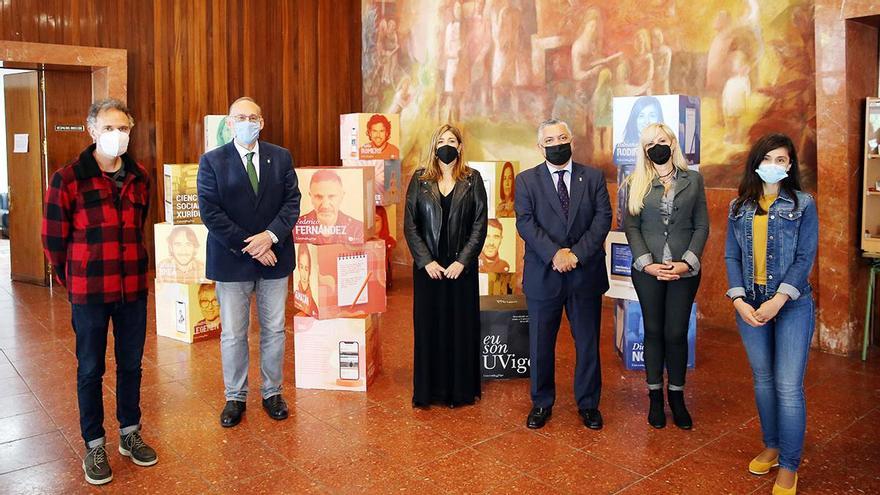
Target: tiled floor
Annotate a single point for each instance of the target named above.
(345, 442)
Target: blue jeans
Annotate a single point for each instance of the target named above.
(778, 356)
(90, 324)
(235, 317)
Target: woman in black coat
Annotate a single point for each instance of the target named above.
(445, 226)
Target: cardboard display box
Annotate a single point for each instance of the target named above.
(187, 312)
(629, 333)
(369, 136)
(217, 133)
(181, 194)
(504, 337)
(336, 280)
(387, 186)
(618, 264)
(338, 354)
(499, 179)
(337, 205)
(181, 251)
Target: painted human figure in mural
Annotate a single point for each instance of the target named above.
(601, 111)
(642, 68)
(479, 42)
(506, 23)
(662, 55)
(389, 47)
(452, 79)
(735, 97)
(741, 35)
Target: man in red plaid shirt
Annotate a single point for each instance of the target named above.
(93, 228)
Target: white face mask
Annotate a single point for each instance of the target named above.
(113, 143)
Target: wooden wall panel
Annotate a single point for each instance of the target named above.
(300, 59)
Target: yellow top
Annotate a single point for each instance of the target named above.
(759, 240)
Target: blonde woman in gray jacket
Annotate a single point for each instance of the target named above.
(666, 225)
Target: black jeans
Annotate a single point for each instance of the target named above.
(666, 311)
(90, 323)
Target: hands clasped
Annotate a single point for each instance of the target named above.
(436, 272)
(260, 248)
(564, 260)
(667, 272)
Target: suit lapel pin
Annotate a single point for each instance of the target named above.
(580, 179)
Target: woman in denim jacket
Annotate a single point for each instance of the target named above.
(772, 235)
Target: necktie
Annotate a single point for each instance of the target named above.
(562, 191)
(252, 171)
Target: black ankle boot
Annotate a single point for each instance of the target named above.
(680, 415)
(656, 413)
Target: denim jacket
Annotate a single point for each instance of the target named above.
(792, 240)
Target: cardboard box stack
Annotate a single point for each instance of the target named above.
(497, 261)
(186, 304)
(342, 240)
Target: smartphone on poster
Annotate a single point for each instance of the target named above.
(349, 361)
(180, 317)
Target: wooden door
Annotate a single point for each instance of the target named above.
(25, 170)
(68, 95)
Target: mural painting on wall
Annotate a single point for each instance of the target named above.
(499, 67)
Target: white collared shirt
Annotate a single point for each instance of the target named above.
(242, 151)
(555, 177)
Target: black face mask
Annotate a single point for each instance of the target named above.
(447, 153)
(559, 154)
(660, 153)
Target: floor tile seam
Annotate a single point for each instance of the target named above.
(594, 456)
(704, 445)
(458, 441)
(32, 466)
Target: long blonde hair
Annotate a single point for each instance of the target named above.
(431, 166)
(639, 182)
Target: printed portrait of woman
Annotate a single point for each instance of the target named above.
(506, 189)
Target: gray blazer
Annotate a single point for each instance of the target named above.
(688, 226)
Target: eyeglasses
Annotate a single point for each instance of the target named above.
(253, 118)
(208, 304)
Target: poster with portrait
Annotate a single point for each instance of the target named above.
(217, 133)
(187, 312)
(336, 280)
(499, 177)
(386, 179)
(369, 136)
(337, 205)
(633, 113)
(181, 193)
(336, 354)
(499, 250)
(181, 251)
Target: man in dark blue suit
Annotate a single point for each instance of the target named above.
(249, 200)
(563, 214)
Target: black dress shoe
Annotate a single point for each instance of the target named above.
(232, 412)
(592, 418)
(538, 416)
(275, 407)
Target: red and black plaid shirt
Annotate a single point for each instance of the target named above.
(93, 231)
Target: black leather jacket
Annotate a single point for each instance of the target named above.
(468, 218)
